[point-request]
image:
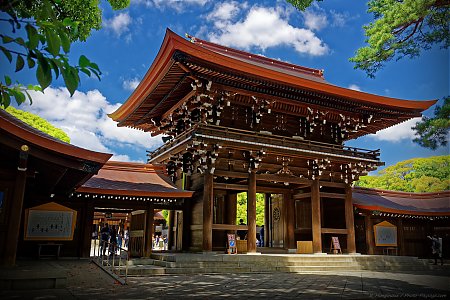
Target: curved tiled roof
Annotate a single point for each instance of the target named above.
(402, 202)
(132, 179)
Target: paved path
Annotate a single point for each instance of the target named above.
(85, 281)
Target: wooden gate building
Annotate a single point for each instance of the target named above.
(239, 122)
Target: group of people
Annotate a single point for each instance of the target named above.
(242, 234)
(160, 242)
(436, 248)
(116, 237)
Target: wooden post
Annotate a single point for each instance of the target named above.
(149, 216)
(266, 219)
(401, 237)
(207, 210)
(315, 215)
(349, 220)
(187, 217)
(87, 219)
(289, 205)
(170, 235)
(231, 210)
(369, 234)
(15, 212)
(251, 213)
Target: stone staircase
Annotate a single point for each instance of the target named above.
(211, 263)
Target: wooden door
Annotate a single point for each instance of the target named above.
(277, 221)
(136, 243)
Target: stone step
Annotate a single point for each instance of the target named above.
(211, 270)
(145, 270)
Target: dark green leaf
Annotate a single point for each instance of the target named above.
(7, 39)
(86, 71)
(19, 63)
(33, 36)
(54, 66)
(20, 41)
(30, 61)
(6, 99)
(71, 80)
(7, 80)
(29, 97)
(65, 41)
(43, 73)
(84, 62)
(7, 53)
(67, 22)
(53, 42)
(95, 67)
(17, 93)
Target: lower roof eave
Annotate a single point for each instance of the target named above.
(403, 212)
(131, 193)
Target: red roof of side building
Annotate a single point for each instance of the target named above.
(425, 204)
(240, 61)
(132, 179)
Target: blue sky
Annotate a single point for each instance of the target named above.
(323, 37)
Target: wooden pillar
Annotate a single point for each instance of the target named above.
(231, 210)
(369, 234)
(266, 219)
(87, 219)
(15, 212)
(207, 210)
(401, 237)
(289, 205)
(170, 234)
(251, 213)
(315, 216)
(187, 217)
(149, 216)
(349, 220)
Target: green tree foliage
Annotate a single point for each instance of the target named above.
(402, 28)
(38, 123)
(431, 174)
(42, 32)
(242, 208)
(433, 132)
(302, 4)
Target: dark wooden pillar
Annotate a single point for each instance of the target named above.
(349, 220)
(266, 219)
(87, 220)
(289, 205)
(251, 213)
(207, 211)
(369, 234)
(149, 216)
(315, 215)
(15, 212)
(170, 234)
(401, 237)
(187, 217)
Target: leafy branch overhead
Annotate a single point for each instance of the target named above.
(41, 36)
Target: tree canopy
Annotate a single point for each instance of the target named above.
(431, 174)
(38, 123)
(42, 32)
(434, 132)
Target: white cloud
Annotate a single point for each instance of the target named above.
(178, 5)
(224, 11)
(398, 132)
(338, 19)
(315, 19)
(131, 84)
(84, 118)
(354, 87)
(261, 27)
(119, 24)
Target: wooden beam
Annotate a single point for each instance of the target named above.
(208, 188)
(333, 184)
(349, 220)
(179, 103)
(149, 216)
(170, 234)
(243, 188)
(251, 213)
(332, 195)
(229, 227)
(289, 203)
(230, 174)
(334, 230)
(283, 178)
(302, 196)
(369, 234)
(316, 220)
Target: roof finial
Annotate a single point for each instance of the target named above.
(190, 37)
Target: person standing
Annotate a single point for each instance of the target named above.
(112, 240)
(104, 234)
(242, 233)
(436, 248)
(261, 235)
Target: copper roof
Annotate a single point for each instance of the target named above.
(132, 179)
(166, 82)
(34, 136)
(402, 202)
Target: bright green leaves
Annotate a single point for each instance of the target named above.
(402, 28)
(9, 90)
(302, 4)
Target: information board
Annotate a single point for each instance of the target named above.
(50, 221)
(385, 234)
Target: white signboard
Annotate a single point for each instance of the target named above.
(49, 224)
